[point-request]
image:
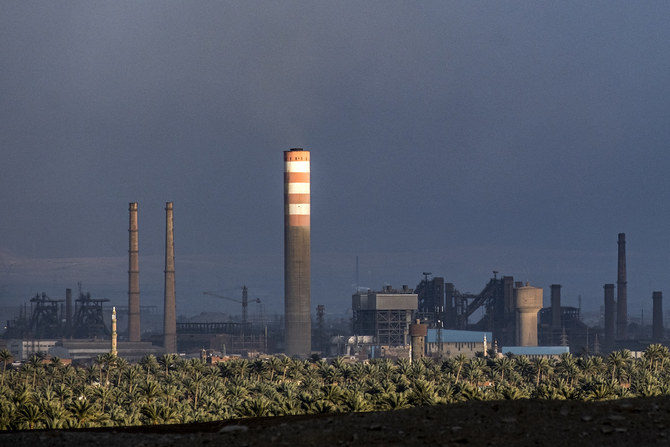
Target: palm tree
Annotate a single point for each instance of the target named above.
(167, 361)
(5, 357)
(460, 360)
(84, 413)
(542, 366)
(503, 365)
(30, 414)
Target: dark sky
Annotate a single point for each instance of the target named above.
(452, 137)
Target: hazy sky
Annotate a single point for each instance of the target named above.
(452, 137)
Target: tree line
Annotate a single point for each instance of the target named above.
(169, 389)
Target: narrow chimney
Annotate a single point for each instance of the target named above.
(68, 309)
(657, 327)
(622, 306)
(609, 317)
(170, 314)
(555, 307)
(133, 277)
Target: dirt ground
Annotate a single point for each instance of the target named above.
(640, 422)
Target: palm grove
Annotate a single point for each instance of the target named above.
(168, 389)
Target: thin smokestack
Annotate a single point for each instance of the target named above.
(609, 316)
(657, 326)
(297, 318)
(555, 306)
(622, 305)
(170, 315)
(68, 309)
(133, 276)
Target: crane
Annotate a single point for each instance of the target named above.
(244, 301)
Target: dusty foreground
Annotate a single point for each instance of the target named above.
(638, 422)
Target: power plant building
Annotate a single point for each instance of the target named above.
(386, 314)
(297, 264)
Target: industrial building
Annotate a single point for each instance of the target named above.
(449, 343)
(385, 314)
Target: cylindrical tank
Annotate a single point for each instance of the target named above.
(133, 276)
(297, 265)
(170, 301)
(657, 326)
(527, 303)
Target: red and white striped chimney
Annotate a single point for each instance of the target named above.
(297, 317)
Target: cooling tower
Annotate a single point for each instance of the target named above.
(170, 315)
(527, 303)
(621, 300)
(133, 276)
(657, 325)
(609, 316)
(297, 319)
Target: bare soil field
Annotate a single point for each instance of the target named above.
(640, 422)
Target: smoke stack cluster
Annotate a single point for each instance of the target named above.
(133, 276)
(170, 315)
(622, 305)
(297, 318)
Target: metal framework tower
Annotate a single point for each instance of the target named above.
(297, 266)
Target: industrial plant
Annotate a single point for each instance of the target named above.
(433, 319)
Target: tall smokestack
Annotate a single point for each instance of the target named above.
(657, 326)
(68, 309)
(621, 300)
(555, 307)
(133, 276)
(297, 319)
(609, 316)
(170, 315)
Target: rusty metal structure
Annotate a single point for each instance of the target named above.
(89, 321)
(297, 264)
(45, 321)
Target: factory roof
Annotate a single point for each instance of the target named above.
(535, 350)
(455, 336)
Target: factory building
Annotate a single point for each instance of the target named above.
(297, 265)
(450, 343)
(385, 314)
(536, 351)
